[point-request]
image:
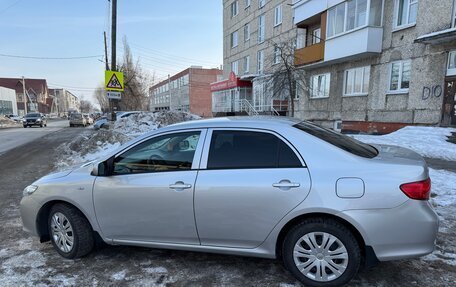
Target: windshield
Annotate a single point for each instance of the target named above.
(32, 115)
(339, 140)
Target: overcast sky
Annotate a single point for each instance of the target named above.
(167, 36)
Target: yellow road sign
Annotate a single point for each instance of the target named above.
(114, 81)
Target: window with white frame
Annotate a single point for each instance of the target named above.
(260, 61)
(247, 3)
(277, 15)
(400, 73)
(405, 13)
(451, 71)
(319, 86)
(347, 16)
(261, 27)
(234, 67)
(277, 54)
(247, 32)
(316, 36)
(234, 8)
(356, 81)
(234, 39)
(246, 64)
(261, 3)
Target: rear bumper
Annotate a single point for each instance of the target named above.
(407, 231)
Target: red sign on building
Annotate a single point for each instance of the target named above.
(231, 83)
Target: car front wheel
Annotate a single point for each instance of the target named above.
(71, 233)
(321, 252)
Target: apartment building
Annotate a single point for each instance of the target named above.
(251, 28)
(65, 102)
(36, 91)
(188, 91)
(377, 65)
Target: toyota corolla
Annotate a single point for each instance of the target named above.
(323, 203)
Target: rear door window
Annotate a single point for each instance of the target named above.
(249, 149)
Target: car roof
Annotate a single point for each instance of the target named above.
(266, 122)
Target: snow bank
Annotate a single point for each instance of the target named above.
(427, 141)
(89, 146)
(7, 123)
(443, 187)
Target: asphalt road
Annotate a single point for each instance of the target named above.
(14, 137)
(24, 261)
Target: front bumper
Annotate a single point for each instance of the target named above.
(407, 231)
(29, 213)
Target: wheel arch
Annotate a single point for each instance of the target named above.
(368, 255)
(43, 215)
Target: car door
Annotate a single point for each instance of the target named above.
(149, 194)
(248, 181)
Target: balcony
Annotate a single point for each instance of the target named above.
(310, 54)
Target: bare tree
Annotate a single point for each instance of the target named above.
(136, 82)
(86, 106)
(286, 80)
(101, 98)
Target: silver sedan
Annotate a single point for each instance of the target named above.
(322, 202)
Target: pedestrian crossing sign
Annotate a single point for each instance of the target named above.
(114, 81)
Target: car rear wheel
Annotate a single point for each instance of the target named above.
(321, 252)
(70, 232)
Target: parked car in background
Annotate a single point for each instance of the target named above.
(13, 117)
(100, 123)
(103, 122)
(34, 119)
(324, 203)
(77, 119)
(88, 118)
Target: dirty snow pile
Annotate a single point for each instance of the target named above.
(89, 146)
(427, 141)
(6, 122)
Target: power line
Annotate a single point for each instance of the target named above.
(10, 6)
(50, 58)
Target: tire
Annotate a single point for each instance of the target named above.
(81, 231)
(25, 127)
(41, 125)
(347, 261)
(45, 125)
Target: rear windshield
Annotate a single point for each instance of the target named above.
(76, 116)
(339, 140)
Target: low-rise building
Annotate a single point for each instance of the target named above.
(375, 65)
(36, 94)
(64, 101)
(8, 104)
(187, 91)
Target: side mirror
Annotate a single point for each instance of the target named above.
(99, 169)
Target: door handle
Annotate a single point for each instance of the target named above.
(286, 184)
(180, 186)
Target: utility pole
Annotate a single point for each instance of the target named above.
(106, 51)
(114, 35)
(25, 95)
(113, 51)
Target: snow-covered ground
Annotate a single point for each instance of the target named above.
(7, 123)
(427, 141)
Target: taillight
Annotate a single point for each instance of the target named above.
(420, 190)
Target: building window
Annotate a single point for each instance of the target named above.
(400, 76)
(451, 63)
(234, 39)
(356, 81)
(278, 15)
(246, 64)
(405, 13)
(261, 21)
(247, 3)
(247, 32)
(234, 67)
(261, 3)
(277, 55)
(347, 16)
(234, 8)
(319, 86)
(260, 61)
(316, 36)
